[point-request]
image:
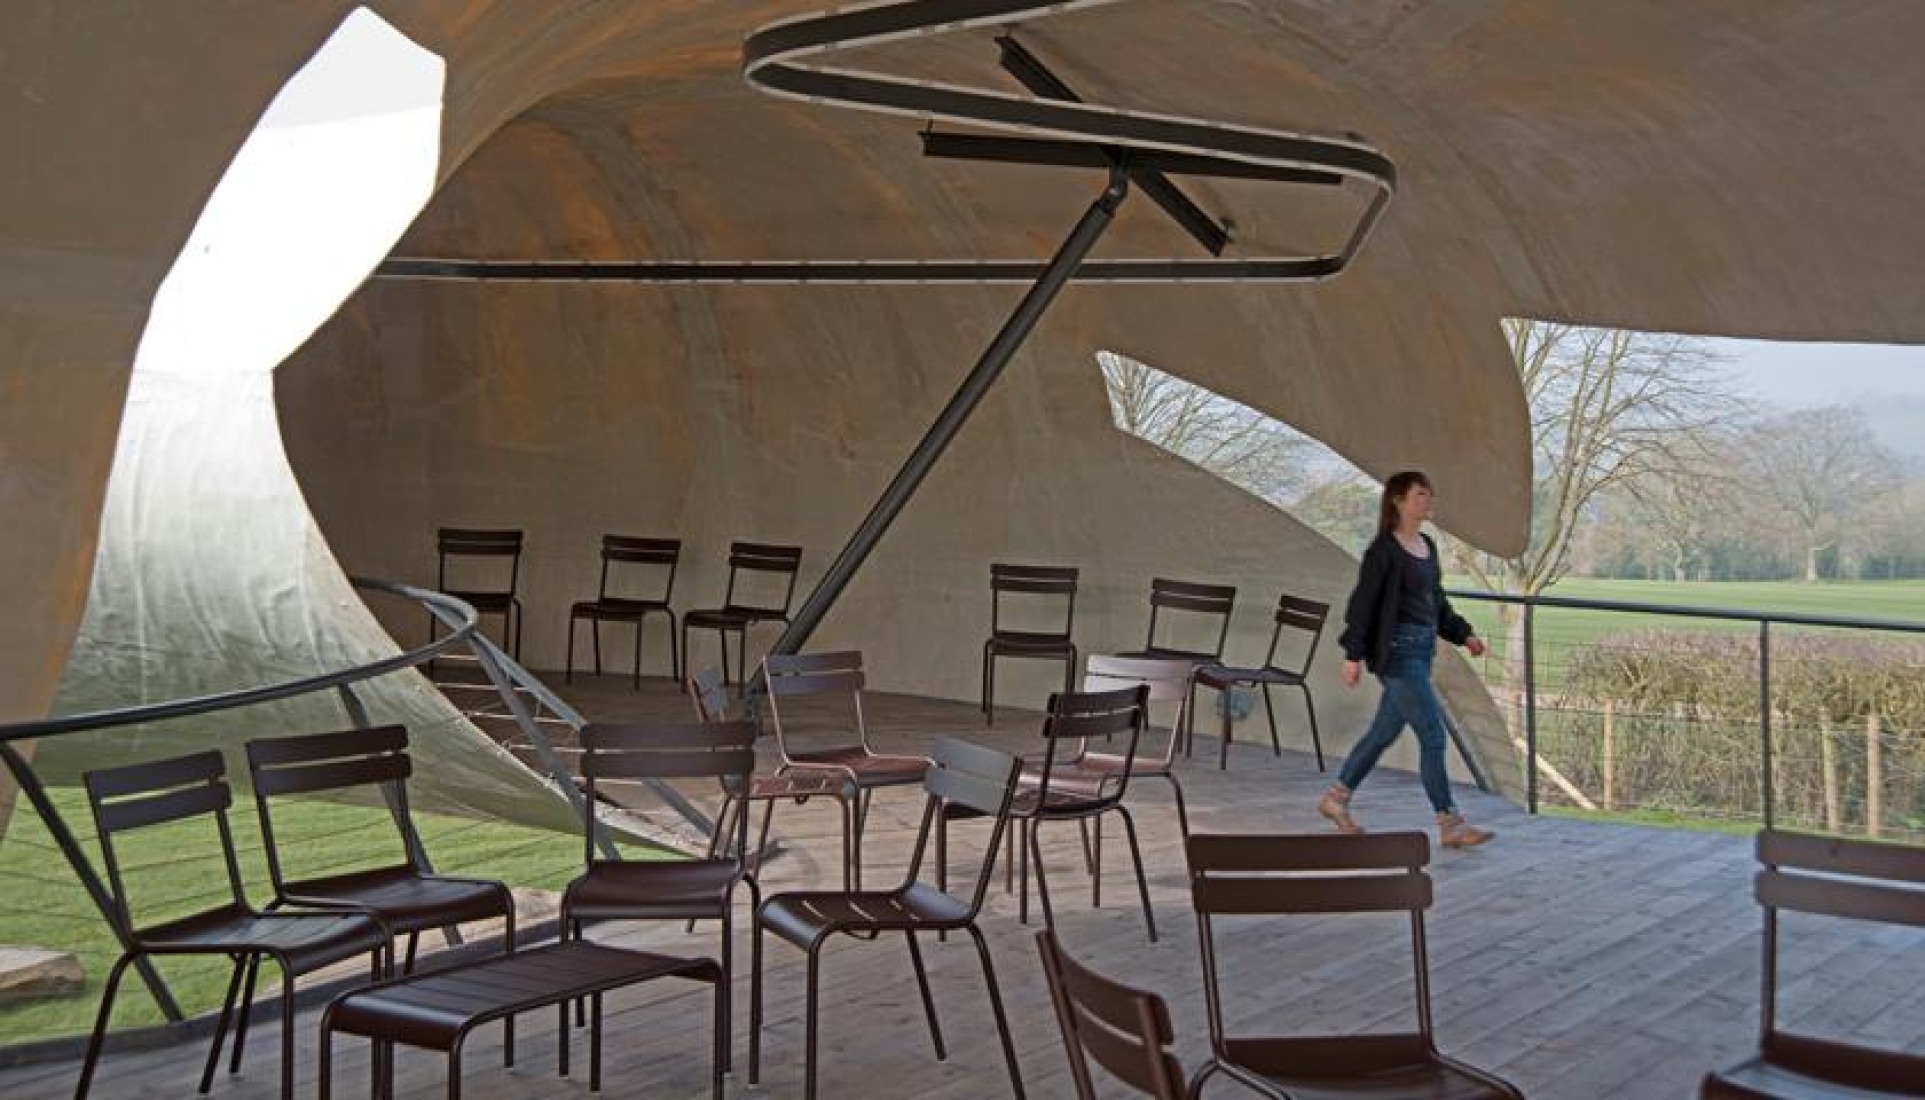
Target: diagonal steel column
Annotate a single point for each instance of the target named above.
(950, 421)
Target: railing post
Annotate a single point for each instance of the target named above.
(1764, 716)
(1530, 704)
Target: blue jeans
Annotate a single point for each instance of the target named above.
(1408, 700)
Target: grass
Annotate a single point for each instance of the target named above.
(1557, 631)
(1659, 819)
(176, 869)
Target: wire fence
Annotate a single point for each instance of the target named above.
(1713, 717)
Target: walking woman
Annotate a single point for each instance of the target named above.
(1391, 626)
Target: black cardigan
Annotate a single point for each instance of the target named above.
(1371, 617)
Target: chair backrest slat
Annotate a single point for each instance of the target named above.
(1838, 856)
(159, 809)
(1126, 1031)
(1232, 852)
(475, 540)
(1166, 679)
(690, 764)
(1211, 600)
(304, 747)
(764, 557)
(1037, 580)
(846, 682)
(795, 664)
(724, 751)
(650, 551)
(333, 776)
(1841, 898)
(156, 775)
(1307, 616)
(1374, 893)
(976, 792)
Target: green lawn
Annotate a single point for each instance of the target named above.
(177, 868)
(1558, 630)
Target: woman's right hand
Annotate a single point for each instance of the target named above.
(1352, 672)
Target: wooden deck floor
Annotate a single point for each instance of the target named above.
(1577, 959)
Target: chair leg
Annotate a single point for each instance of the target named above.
(717, 834)
(595, 633)
(684, 649)
(928, 1001)
(1142, 882)
(568, 669)
(989, 686)
(755, 1002)
(100, 1026)
(728, 979)
(996, 1008)
(220, 1026)
(1182, 814)
(754, 861)
(1042, 883)
(1095, 854)
(407, 963)
(1270, 712)
(508, 947)
(515, 606)
(1022, 827)
(595, 1043)
(635, 679)
(851, 861)
(1223, 704)
(1069, 672)
(809, 1029)
(674, 654)
(1310, 708)
(287, 1030)
(716, 1029)
(247, 1004)
(324, 1066)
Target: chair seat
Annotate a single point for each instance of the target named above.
(727, 618)
(805, 917)
(1796, 1066)
(1161, 653)
(404, 899)
(307, 940)
(434, 1010)
(1221, 676)
(655, 889)
(1387, 1067)
(871, 769)
(489, 602)
(1066, 797)
(1109, 765)
(617, 608)
(1030, 642)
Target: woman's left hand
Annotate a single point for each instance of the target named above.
(1475, 645)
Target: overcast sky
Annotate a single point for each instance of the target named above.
(1790, 373)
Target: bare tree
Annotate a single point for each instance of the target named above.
(1231, 440)
(1822, 471)
(1610, 408)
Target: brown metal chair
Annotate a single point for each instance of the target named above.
(1302, 616)
(649, 555)
(736, 617)
(1167, 681)
(711, 697)
(693, 889)
(1043, 582)
(1056, 789)
(1854, 879)
(1198, 605)
(1379, 873)
(194, 787)
(960, 774)
(1126, 1031)
(468, 542)
(833, 676)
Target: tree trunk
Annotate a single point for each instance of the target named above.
(1811, 563)
(1874, 774)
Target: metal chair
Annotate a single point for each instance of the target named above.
(1126, 1031)
(467, 542)
(605, 608)
(1042, 582)
(193, 787)
(1198, 605)
(1054, 789)
(1167, 681)
(959, 774)
(737, 616)
(1829, 876)
(406, 897)
(1302, 616)
(695, 889)
(1266, 875)
(711, 698)
(834, 676)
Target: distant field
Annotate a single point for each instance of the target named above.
(1559, 629)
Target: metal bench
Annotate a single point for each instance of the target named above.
(437, 1010)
